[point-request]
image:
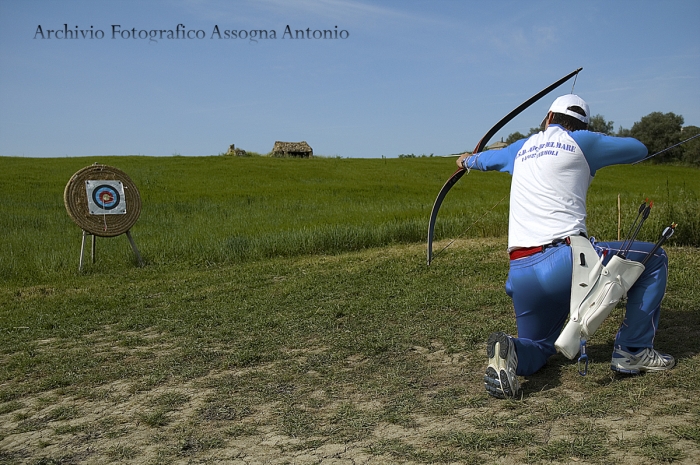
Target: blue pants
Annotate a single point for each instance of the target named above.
(540, 286)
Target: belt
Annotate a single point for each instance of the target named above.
(527, 251)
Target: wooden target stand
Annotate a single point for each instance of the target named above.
(104, 202)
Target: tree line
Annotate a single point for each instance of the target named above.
(656, 130)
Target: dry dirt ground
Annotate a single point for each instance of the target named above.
(184, 422)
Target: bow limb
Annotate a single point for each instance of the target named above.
(480, 147)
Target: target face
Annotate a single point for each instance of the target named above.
(105, 197)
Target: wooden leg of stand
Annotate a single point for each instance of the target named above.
(93, 249)
(82, 251)
(133, 247)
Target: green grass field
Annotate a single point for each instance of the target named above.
(285, 315)
(224, 210)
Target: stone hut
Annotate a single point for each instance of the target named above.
(232, 150)
(292, 149)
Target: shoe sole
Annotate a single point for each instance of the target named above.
(624, 371)
(492, 383)
(496, 378)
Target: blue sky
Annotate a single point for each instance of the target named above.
(416, 77)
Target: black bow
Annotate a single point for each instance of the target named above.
(480, 147)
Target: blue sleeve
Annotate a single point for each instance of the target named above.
(601, 150)
(495, 160)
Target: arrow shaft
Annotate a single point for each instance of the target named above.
(666, 149)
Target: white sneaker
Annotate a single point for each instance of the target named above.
(646, 360)
(500, 379)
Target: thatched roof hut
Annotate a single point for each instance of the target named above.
(292, 149)
(497, 145)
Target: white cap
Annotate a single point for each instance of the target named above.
(563, 103)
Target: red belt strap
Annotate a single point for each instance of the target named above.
(526, 252)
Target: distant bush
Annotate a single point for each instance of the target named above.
(411, 155)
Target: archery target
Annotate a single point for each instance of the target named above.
(96, 199)
(105, 197)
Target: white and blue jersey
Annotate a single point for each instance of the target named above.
(552, 171)
(551, 174)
